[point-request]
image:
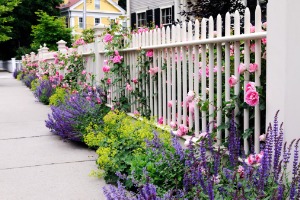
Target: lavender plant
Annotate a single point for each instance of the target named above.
(210, 173)
(70, 119)
(28, 79)
(15, 73)
(44, 91)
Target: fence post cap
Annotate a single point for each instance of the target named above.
(99, 29)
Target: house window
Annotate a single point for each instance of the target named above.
(141, 19)
(166, 16)
(80, 22)
(97, 4)
(67, 21)
(97, 21)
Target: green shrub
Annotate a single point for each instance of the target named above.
(119, 140)
(20, 76)
(34, 84)
(58, 96)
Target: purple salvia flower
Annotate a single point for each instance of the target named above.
(178, 148)
(295, 169)
(278, 154)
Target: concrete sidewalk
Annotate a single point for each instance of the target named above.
(35, 164)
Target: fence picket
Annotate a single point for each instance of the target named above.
(219, 80)
(227, 67)
(236, 60)
(211, 74)
(257, 77)
(174, 82)
(179, 95)
(169, 80)
(196, 78)
(191, 71)
(203, 76)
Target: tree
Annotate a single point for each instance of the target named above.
(25, 17)
(50, 30)
(206, 8)
(6, 7)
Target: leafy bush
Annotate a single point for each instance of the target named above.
(211, 174)
(28, 79)
(43, 91)
(119, 140)
(34, 84)
(70, 119)
(58, 96)
(20, 76)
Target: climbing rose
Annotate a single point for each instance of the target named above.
(232, 80)
(149, 53)
(253, 67)
(250, 86)
(242, 68)
(117, 59)
(136, 113)
(170, 103)
(153, 70)
(173, 124)
(262, 137)
(252, 97)
(108, 38)
(108, 81)
(106, 69)
(182, 130)
(190, 96)
(135, 80)
(83, 72)
(128, 87)
(160, 120)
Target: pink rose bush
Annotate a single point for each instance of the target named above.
(182, 130)
(253, 67)
(149, 54)
(152, 71)
(106, 68)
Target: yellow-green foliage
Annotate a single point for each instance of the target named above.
(58, 96)
(120, 139)
(19, 76)
(34, 84)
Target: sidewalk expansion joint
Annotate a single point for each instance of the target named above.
(35, 136)
(48, 164)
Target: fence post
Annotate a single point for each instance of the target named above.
(283, 65)
(61, 46)
(13, 64)
(99, 29)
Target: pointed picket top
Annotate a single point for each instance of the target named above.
(258, 19)
(173, 34)
(219, 26)
(155, 37)
(163, 34)
(237, 23)
(211, 27)
(247, 21)
(158, 36)
(183, 37)
(203, 29)
(178, 39)
(190, 31)
(227, 24)
(197, 29)
(168, 35)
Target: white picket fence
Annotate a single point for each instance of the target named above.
(181, 75)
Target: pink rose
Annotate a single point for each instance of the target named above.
(262, 137)
(232, 81)
(153, 70)
(88, 98)
(241, 171)
(108, 81)
(105, 62)
(264, 41)
(106, 69)
(264, 25)
(173, 125)
(108, 38)
(190, 96)
(250, 86)
(252, 48)
(136, 113)
(135, 80)
(252, 97)
(192, 107)
(149, 53)
(252, 29)
(160, 120)
(242, 68)
(253, 67)
(170, 103)
(250, 160)
(83, 72)
(258, 157)
(117, 59)
(182, 130)
(128, 87)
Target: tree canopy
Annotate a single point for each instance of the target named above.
(25, 17)
(206, 8)
(6, 7)
(49, 30)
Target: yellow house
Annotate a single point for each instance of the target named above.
(96, 12)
